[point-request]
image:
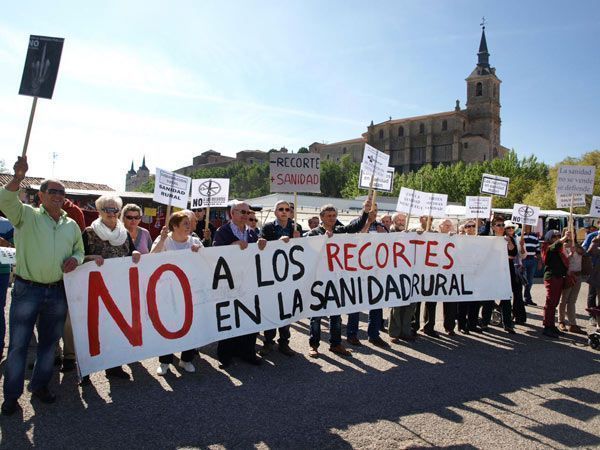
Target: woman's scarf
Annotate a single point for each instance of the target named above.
(116, 237)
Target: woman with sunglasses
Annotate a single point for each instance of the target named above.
(514, 264)
(468, 311)
(131, 214)
(107, 238)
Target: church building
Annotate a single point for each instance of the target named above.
(134, 179)
(471, 134)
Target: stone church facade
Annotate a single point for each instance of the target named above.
(133, 179)
(471, 134)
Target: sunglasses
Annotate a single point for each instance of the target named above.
(110, 210)
(133, 217)
(252, 220)
(283, 209)
(469, 226)
(243, 212)
(500, 225)
(56, 191)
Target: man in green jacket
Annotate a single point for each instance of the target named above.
(48, 244)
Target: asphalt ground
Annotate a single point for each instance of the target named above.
(479, 391)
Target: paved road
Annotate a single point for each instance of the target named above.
(490, 391)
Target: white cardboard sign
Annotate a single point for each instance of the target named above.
(595, 207)
(170, 188)
(564, 200)
(379, 184)
(375, 162)
(8, 255)
(494, 185)
(419, 203)
(477, 206)
(210, 192)
(525, 214)
(575, 180)
(299, 172)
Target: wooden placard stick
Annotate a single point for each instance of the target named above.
(28, 133)
(571, 225)
(206, 235)
(295, 220)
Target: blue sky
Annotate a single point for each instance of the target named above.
(171, 80)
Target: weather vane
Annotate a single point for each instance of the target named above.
(482, 24)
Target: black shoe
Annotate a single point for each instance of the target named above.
(266, 348)
(557, 331)
(286, 350)
(549, 332)
(117, 372)
(9, 406)
(256, 361)
(85, 381)
(378, 342)
(464, 330)
(44, 395)
(224, 363)
(510, 330)
(432, 333)
(68, 365)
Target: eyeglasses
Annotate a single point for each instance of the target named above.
(133, 217)
(500, 225)
(283, 209)
(252, 220)
(56, 191)
(243, 212)
(469, 226)
(110, 210)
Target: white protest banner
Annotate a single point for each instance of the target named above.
(299, 172)
(525, 214)
(173, 301)
(41, 66)
(564, 200)
(375, 162)
(494, 185)
(575, 180)
(379, 184)
(595, 207)
(8, 255)
(478, 207)
(419, 203)
(208, 192)
(172, 189)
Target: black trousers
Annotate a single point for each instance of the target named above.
(186, 356)
(284, 335)
(488, 307)
(450, 314)
(467, 315)
(518, 307)
(429, 317)
(241, 346)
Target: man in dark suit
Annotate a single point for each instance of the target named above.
(237, 232)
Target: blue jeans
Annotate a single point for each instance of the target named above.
(4, 278)
(530, 265)
(375, 321)
(29, 304)
(335, 331)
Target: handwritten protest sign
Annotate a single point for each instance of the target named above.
(8, 255)
(174, 301)
(564, 200)
(379, 184)
(575, 179)
(210, 192)
(595, 207)
(525, 214)
(375, 162)
(41, 66)
(494, 185)
(419, 203)
(299, 172)
(476, 206)
(171, 189)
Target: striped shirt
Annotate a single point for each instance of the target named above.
(532, 244)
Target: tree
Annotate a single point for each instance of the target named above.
(302, 150)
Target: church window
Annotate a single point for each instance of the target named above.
(401, 131)
(444, 125)
(380, 134)
(421, 128)
(344, 150)
(494, 91)
(466, 145)
(478, 89)
(484, 156)
(328, 156)
(464, 125)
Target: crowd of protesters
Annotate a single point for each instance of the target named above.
(52, 240)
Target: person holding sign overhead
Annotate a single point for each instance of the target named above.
(280, 229)
(237, 232)
(48, 244)
(328, 226)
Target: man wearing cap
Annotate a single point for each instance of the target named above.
(48, 244)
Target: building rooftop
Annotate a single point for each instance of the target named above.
(81, 185)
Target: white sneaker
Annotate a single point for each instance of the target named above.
(162, 369)
(187, 366)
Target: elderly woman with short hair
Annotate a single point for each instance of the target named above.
(131, 214)
(177, 237)
(107, 238)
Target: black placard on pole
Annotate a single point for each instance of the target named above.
(41, 66)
